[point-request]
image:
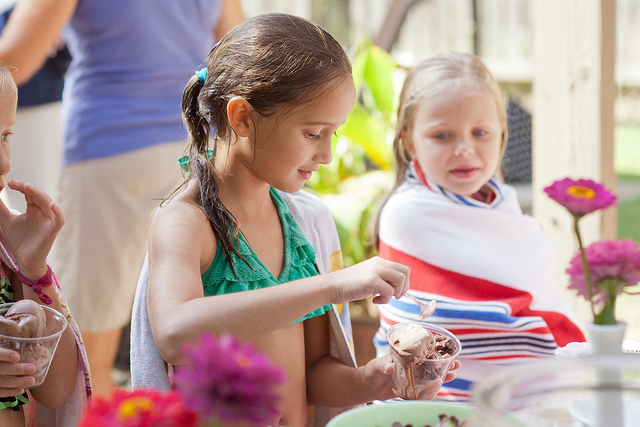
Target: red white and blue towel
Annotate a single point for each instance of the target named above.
(489, 266)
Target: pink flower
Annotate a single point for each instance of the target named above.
(582, 196)
(226, 381)
(139, 408)
(614, 267)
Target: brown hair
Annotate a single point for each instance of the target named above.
(432, 77)
(274, 61)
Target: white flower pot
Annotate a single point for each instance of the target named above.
(606, 339)
(609, 408)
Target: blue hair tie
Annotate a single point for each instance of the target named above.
(202, 74)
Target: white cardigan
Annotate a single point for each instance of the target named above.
(148, 368)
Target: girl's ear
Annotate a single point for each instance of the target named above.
(239, 112)
(407, 144)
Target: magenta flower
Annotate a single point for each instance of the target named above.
(614, 266)
(580, 197)
(227, 381)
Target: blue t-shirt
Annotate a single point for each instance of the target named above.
(131, 60)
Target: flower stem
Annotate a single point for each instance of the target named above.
(585, 266)
(606, 316)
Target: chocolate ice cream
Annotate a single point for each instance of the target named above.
(26, 319)
(419, 356)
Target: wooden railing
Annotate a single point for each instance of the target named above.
(503, 37)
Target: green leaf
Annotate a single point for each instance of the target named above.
(378, 76)
(370, 134)
(359, 66)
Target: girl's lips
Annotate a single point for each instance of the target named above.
(464, 172)
(305, 174)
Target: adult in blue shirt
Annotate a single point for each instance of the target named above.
(122, 134)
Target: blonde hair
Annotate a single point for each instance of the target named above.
(7, 84)
(432, 77)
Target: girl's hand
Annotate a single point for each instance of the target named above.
(452, 375)
(14, 376)
(378, 372)
(377, 378)
(30, 235)
(375, 276)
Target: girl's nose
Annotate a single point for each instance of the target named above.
(325, 155)
(463, 148)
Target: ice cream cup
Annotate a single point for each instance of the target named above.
(38, 351)
(416, 378)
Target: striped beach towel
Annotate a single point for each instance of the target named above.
(488, 265)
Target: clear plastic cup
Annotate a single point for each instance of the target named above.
(416, 378)
(38, 351)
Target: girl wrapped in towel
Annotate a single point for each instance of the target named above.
(460, 229)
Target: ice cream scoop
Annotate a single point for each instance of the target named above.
(25, 319)
(421, 356)
(415, 341)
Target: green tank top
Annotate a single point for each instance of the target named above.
(299, 262)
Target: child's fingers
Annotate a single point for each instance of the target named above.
(450, 374)
(10, 392)
(15, 383)
(57, 213)
(32, 193)
(7, 355)
(37, 197)
(16, 369)
(397, 276)
(14, 377)
(384, 294)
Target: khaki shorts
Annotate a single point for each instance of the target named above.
(108, 204)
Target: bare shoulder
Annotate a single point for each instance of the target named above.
(180, 228)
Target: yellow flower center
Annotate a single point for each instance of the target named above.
(133, 406)
(581, 192)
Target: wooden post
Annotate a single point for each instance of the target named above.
(573, 121)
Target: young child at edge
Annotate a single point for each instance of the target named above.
(25, 241)
(225, 254)
(461, 230)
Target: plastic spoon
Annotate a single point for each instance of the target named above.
(426, 309)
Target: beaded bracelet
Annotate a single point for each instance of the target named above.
(45, 280)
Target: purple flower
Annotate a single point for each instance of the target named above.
(227, 381)
(614, 266)
(582, 196)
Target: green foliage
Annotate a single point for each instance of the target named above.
(361, 172)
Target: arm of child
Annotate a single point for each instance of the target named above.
(181, 249)
(33, 27)
(14, 376)
(61, 377)
(332, 383)
(30, 236)
(230, 16)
